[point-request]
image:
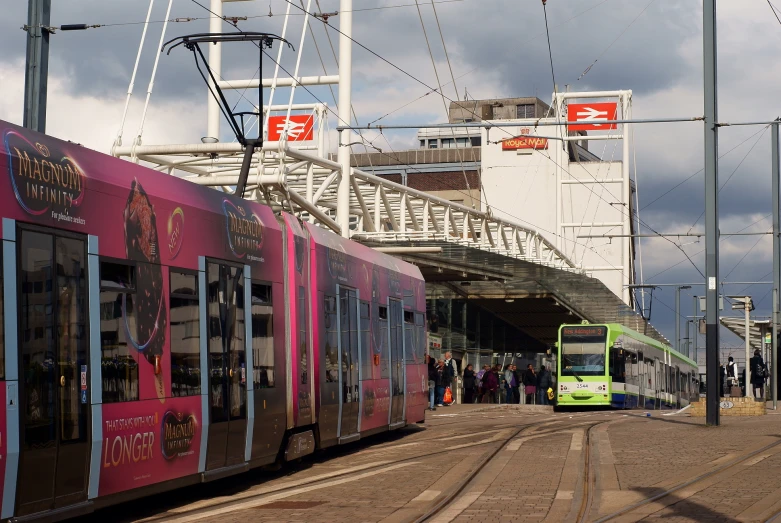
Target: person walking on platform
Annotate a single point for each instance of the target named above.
(432, 380)
(758, 375)
(442, 379)
(530, 384)
(470, 384)
(491, 384)
(480, 383)
(543, 383)
(452, 369)
(509, 383)
(732, 374)
(518, 382)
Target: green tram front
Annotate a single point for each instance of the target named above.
(613, 366)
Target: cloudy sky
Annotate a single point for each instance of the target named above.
(497, 48)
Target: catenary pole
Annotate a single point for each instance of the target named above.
(711, 214)
(37, 65)
(345, 101)
(776, 266)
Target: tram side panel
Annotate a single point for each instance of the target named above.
(148, 419)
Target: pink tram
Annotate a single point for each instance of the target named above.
(155, 333)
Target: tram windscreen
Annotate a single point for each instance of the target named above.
(583, 351)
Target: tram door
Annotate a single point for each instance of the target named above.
(396, 323)
(53, 353)
(227, 366)
(348, 362)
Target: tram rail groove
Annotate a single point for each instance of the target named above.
(273, 492)
(454, 493)
(589, 480)
(718, 470)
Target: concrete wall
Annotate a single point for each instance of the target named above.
(521, 186)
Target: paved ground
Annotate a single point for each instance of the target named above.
(509, 463)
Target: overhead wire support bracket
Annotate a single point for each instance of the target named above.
(235, 119)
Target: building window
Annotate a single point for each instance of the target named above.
(263, 372)
(423, 144)
(462, 142)
(185, 334)
(448, 143)
(118, 328)
(432, 144)
(476, 141)
(525, 111)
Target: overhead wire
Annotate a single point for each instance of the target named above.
(507, 132)
(764, 130)
(696, 173)
(585, 72)
(550, 52)
(439, 85)
(775, 10)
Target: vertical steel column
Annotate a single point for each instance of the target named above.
(747, 311)
(626, 112)
(37, 70)
(215, 63)
(712, 414)
(776, 267)
(678, 319)
(345, 103)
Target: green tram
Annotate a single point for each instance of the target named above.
(613, 366)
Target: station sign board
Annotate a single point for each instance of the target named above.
(587, 116)
(524, 142)
(300, 127)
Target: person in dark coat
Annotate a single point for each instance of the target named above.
(443, 379)
(432, 380)
(530, 384)
(491, 384)
(543, 383)
(470, 384)
(758, 370)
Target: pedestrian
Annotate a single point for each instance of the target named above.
(452, 369)
(530, 384)
(470, 384)
(491, 384)
(509, 383)
(480, 385)
(432, 380)
(732, 374)
(543, 383)
(518, 382)
(442, 379)
(758, 375)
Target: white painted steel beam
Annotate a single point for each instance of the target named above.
(281, 82)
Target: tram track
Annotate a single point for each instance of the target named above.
(324, 480)
(719, 470)
(461, 487)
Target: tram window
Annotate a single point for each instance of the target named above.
(409, 336)
(303, 342)
(583, 351)
(117, 276)
(2, 321)
(383, 313)
(331, 340)
(617, 365)
(119, 370)
(367, 358)
(420, 337)
(263, 375)
(185, 334)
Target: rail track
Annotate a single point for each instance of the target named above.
(270, 494)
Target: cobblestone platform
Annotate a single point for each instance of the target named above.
(500, 463)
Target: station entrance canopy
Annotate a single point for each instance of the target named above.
(757, 329)
(536, 298)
